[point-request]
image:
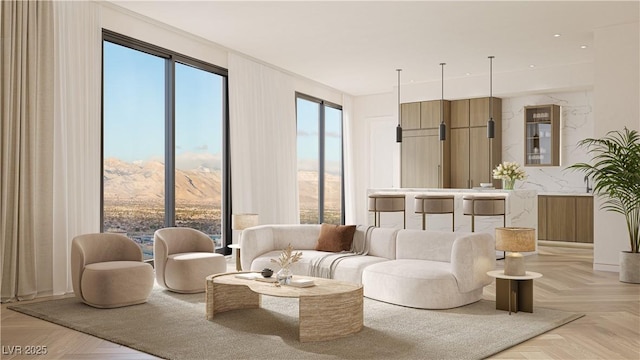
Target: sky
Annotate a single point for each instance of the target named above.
(134, 129)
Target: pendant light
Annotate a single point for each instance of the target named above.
(442, 130)
(491, 129)
(399, 128)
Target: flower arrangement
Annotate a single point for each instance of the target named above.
(287, 257)
(509, 172)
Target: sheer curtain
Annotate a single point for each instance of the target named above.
(26, 147)
(77, 131)
(263, 142)
(349, 164)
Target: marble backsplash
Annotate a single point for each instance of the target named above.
(576, 123)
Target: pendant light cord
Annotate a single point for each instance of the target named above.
(442, 95)
(399, 106)
(491, 87)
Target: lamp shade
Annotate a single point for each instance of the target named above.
(243, 221)
(515, 239)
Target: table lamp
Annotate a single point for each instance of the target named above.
(515, 240)
(243, 221)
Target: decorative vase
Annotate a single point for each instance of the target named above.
(284, 276)
(507, 184)
(630, 267)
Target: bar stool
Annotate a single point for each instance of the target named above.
(484, 206)
(434, 204)
(387, 203)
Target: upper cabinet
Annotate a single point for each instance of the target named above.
(424, 158)
(542, 135)
(473, 155)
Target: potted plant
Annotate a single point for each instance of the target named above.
(615, 171)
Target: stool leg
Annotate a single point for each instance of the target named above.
(424, 222)
(473, 223)
(404, 219)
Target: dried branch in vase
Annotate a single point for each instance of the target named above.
(287, 257)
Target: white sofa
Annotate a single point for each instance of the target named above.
(415, 268)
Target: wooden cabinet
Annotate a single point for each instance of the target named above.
(542, 135)
(473, 155)
(425, 160)
(565, 218)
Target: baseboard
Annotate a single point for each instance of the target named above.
(565, 244)
(606, 267)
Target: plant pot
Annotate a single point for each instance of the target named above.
(630, 267)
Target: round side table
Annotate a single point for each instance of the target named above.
(237, 248)
(514, 293)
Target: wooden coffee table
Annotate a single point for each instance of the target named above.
(331, 309)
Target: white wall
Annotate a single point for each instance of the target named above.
(577, 123)
(616, 103)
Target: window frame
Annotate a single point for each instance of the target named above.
(321, 151)
(171, 58)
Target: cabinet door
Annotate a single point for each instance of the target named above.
(460, 158)
(460, 113)
(584, 219)
(479, 166)
(542, 218)
(430, 114)
(410, 118)
(479, 112)
(561, 215)
(421, 161)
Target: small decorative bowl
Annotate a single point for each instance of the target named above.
(266, 272)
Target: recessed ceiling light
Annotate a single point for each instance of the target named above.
(583, 46)
(468, 74)
(557, 35)
(532, 66)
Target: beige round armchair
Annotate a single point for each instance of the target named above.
(183, 258)
(107, 271)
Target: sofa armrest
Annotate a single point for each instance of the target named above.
(471, 257)
(254, 242)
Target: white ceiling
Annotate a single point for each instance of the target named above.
(356, 46)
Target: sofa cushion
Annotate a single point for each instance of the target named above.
(301, 267)
(416, 283)
(335, 238)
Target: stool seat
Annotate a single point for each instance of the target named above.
(434, 204)
(379, 202)
(484, 205)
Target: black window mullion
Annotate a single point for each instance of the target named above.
(170, 139)
(321, 167)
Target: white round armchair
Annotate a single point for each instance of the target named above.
(183, 258)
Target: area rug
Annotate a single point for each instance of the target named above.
(173, 326)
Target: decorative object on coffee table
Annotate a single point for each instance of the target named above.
(515, 240)
(266, 272)
(285, 260)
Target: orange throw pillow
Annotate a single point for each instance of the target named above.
(335, 238)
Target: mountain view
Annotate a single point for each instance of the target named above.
(134, 199)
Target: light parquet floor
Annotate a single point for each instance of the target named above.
(610, 330)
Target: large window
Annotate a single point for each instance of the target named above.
(320, 180)
(164, 158)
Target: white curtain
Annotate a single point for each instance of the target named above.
(348, 133)
(77, 131)
(26, 145)
(263, 142)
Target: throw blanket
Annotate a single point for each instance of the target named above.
(324, 266)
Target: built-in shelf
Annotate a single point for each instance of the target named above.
(542, 135)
